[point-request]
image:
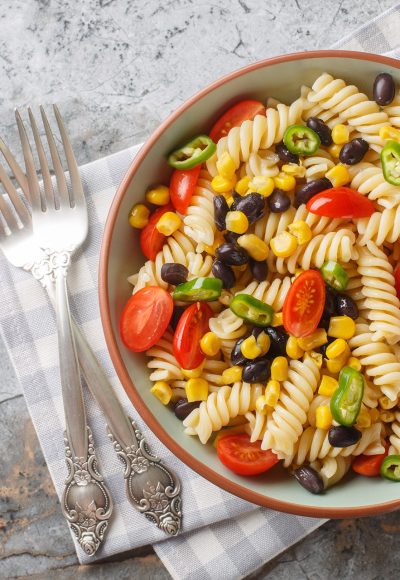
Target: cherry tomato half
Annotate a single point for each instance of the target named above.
(242, 457)
(233, 117)
(304, 304)
(192, 325)
(369, 465)
(145, 318)
(182, 186)
(341, 202)
(397, 281)
(151, 240)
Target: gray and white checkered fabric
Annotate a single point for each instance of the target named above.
(225, 537)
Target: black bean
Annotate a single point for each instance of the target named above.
(176, 315)
(384, 89)
(224, 273)
(353, 151)
(322, 349)
(324, 322)
(231, 237)
(252, 205)
(183, 408)
(343, 436)
(308, 190)
(232, 254)
(173, 273)
(278, 201)
(237, 357)
(285, 155)
(278, 339)
(309, 479)
(345, 306)
(330, 301)
(221, 208)
(259, 270)
(321, 129)
(257, 371)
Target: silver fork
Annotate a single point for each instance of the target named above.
(21, 249)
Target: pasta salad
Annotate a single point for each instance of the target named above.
(269, 302)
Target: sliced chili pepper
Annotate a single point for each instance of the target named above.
(193, 153)
(252, 310)
(301, 140)
(334, 275)
(390, 159)
(342, 202)
(346, 400)
(203, 289)
(390, 467)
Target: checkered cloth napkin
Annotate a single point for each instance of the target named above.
(225, 537)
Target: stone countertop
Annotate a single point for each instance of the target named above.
(116, 68)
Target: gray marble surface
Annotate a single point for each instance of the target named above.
(116, 68)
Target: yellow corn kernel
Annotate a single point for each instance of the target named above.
(314, 340)
(294, 169)
(284, 245)
(277, 319)
(264, 342)
(336, 348)
(293, 349)
(314, 356)
(229, 200)
(262, 406)
(193, 373)
(226, 166)
(341, 327)
(279, 369)
(272, 392)
(323, 417)
(301, 231)
(196, 390)
(335, 365)
(387, 416)
(221, 184)
(162, 391)
(327, 386)
(340, 134)
(169, 223)
(285, 182)
(363, 418)
(232, 375)
(210, 344)
(386, 403)
(255, 246)
(387, 132)
(262, 185)
(158, 195)
(338, 175)
(237, 222)
(334, 150)
(250, 348)
(243, 185)
(139, 216)
(354, 363)
(374, 414)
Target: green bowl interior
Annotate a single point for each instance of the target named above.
(283, 81)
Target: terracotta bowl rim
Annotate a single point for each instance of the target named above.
(208, 473)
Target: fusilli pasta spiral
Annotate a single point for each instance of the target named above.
(381, 227)
(368, 179)
(198, 222)
(395, 436)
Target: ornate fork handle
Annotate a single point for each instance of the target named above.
(86, 502)
(151, 487)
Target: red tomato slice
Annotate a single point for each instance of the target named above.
(304, 304)
(151, 240)
(397, 280)
(341, 202)
(244, 458)
(369, 465)
(233, 117)
(193, 324)
(182, 186)
(145, 318)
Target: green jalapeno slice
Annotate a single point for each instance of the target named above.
(198, 289)
(193, 153)
(301, 140)
(346, 400)
(252, 310)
